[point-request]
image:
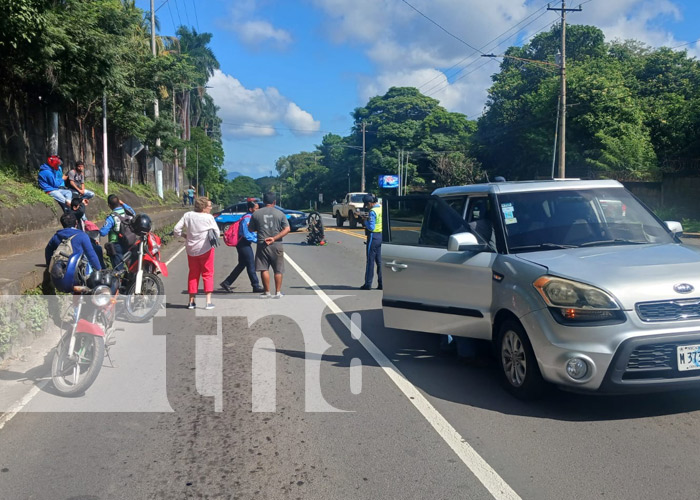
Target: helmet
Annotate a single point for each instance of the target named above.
(54, 161)
(103, 277)
(64, 273)
(141, 224)
(368, 198)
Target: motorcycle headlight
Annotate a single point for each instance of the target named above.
(574, 302)
(101, 296)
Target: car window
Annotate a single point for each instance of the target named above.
(479, 219)
(543, 220)
(423, 220)
(357, 198)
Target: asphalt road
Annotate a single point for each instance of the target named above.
(279, 399)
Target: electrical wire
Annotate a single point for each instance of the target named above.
(448, 76)
(177, 8)
(196, 17)
(443, 29)
(166, 1)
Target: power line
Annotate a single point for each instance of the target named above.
(494, 47)
(172, 18)
(479, 67)
(443, 29)
(196, 17)
(166, 1)
(177, 8)
(187, 14)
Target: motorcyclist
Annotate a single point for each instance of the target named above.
(111, 228)
(81, 241)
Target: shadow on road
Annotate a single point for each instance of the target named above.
(419, 357)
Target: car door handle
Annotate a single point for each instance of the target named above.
(396, 265)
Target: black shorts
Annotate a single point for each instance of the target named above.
(270, 255)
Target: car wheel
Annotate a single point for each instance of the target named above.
(352, 221)
(339, 220)
(519, 370)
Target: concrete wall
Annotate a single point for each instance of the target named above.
(25, 136)
(678, 193)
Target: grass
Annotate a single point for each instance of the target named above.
(17, 190)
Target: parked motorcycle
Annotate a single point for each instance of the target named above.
(79, 354)
(144, 291)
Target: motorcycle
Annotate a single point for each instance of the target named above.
(143, 290)
(79, 355)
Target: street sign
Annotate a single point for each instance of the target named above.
(320, 197)
(132, 146)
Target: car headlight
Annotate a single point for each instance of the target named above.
(296, 216)
(101, 296)
(573, 302)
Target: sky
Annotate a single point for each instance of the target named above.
(294, 70)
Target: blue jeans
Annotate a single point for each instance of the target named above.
(63, 196)
(246, 260)
(374, 256)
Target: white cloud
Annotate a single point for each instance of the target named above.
(252, 31)
(256, 112)
(409, 50)
(255, 33)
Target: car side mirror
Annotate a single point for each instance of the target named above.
(675, 227)
(461, 242)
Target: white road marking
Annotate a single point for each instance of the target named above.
(494, 483)
(173, 257)
(6, 417)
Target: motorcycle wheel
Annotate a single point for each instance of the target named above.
(73, 378)
(140, 308)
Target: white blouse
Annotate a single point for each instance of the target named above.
(195, 226)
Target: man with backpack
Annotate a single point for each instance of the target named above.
(246, 259)
(122, 214)
(70, 241)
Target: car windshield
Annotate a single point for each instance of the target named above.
(547, 220)
(357, 198)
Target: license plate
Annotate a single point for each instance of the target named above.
(688, 357)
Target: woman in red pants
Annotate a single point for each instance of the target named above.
(200, 254)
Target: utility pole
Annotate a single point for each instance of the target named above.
(105, 168)
(362, 186)
(156, 112)
(562, 110)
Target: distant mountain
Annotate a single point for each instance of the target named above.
(232, 175)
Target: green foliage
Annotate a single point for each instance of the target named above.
(630, 109)
(238, 189)
(17, 190)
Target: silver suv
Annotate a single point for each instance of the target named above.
(575, 282)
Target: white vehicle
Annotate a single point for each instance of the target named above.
(350, 209)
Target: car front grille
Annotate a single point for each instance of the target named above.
(669, 310)
(652, 357)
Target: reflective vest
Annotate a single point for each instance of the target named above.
(378, 219)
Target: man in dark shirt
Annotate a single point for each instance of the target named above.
(76, 181)
(271, 225)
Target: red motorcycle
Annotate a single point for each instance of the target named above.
(143, 290)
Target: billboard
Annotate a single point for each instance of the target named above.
(388, 181)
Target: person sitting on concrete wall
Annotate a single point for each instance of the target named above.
(76, 181)
(52, 181)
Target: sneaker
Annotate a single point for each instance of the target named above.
(365, 287)
(258, 289)
(226, 286)
(209, 306)
(265, 295)
(191, 305)
(278, 295)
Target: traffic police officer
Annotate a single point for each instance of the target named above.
(373, 228)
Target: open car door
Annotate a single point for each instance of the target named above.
(426, 287)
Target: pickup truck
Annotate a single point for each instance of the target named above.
(351, 208)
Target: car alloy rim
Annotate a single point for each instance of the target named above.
(513, 358)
